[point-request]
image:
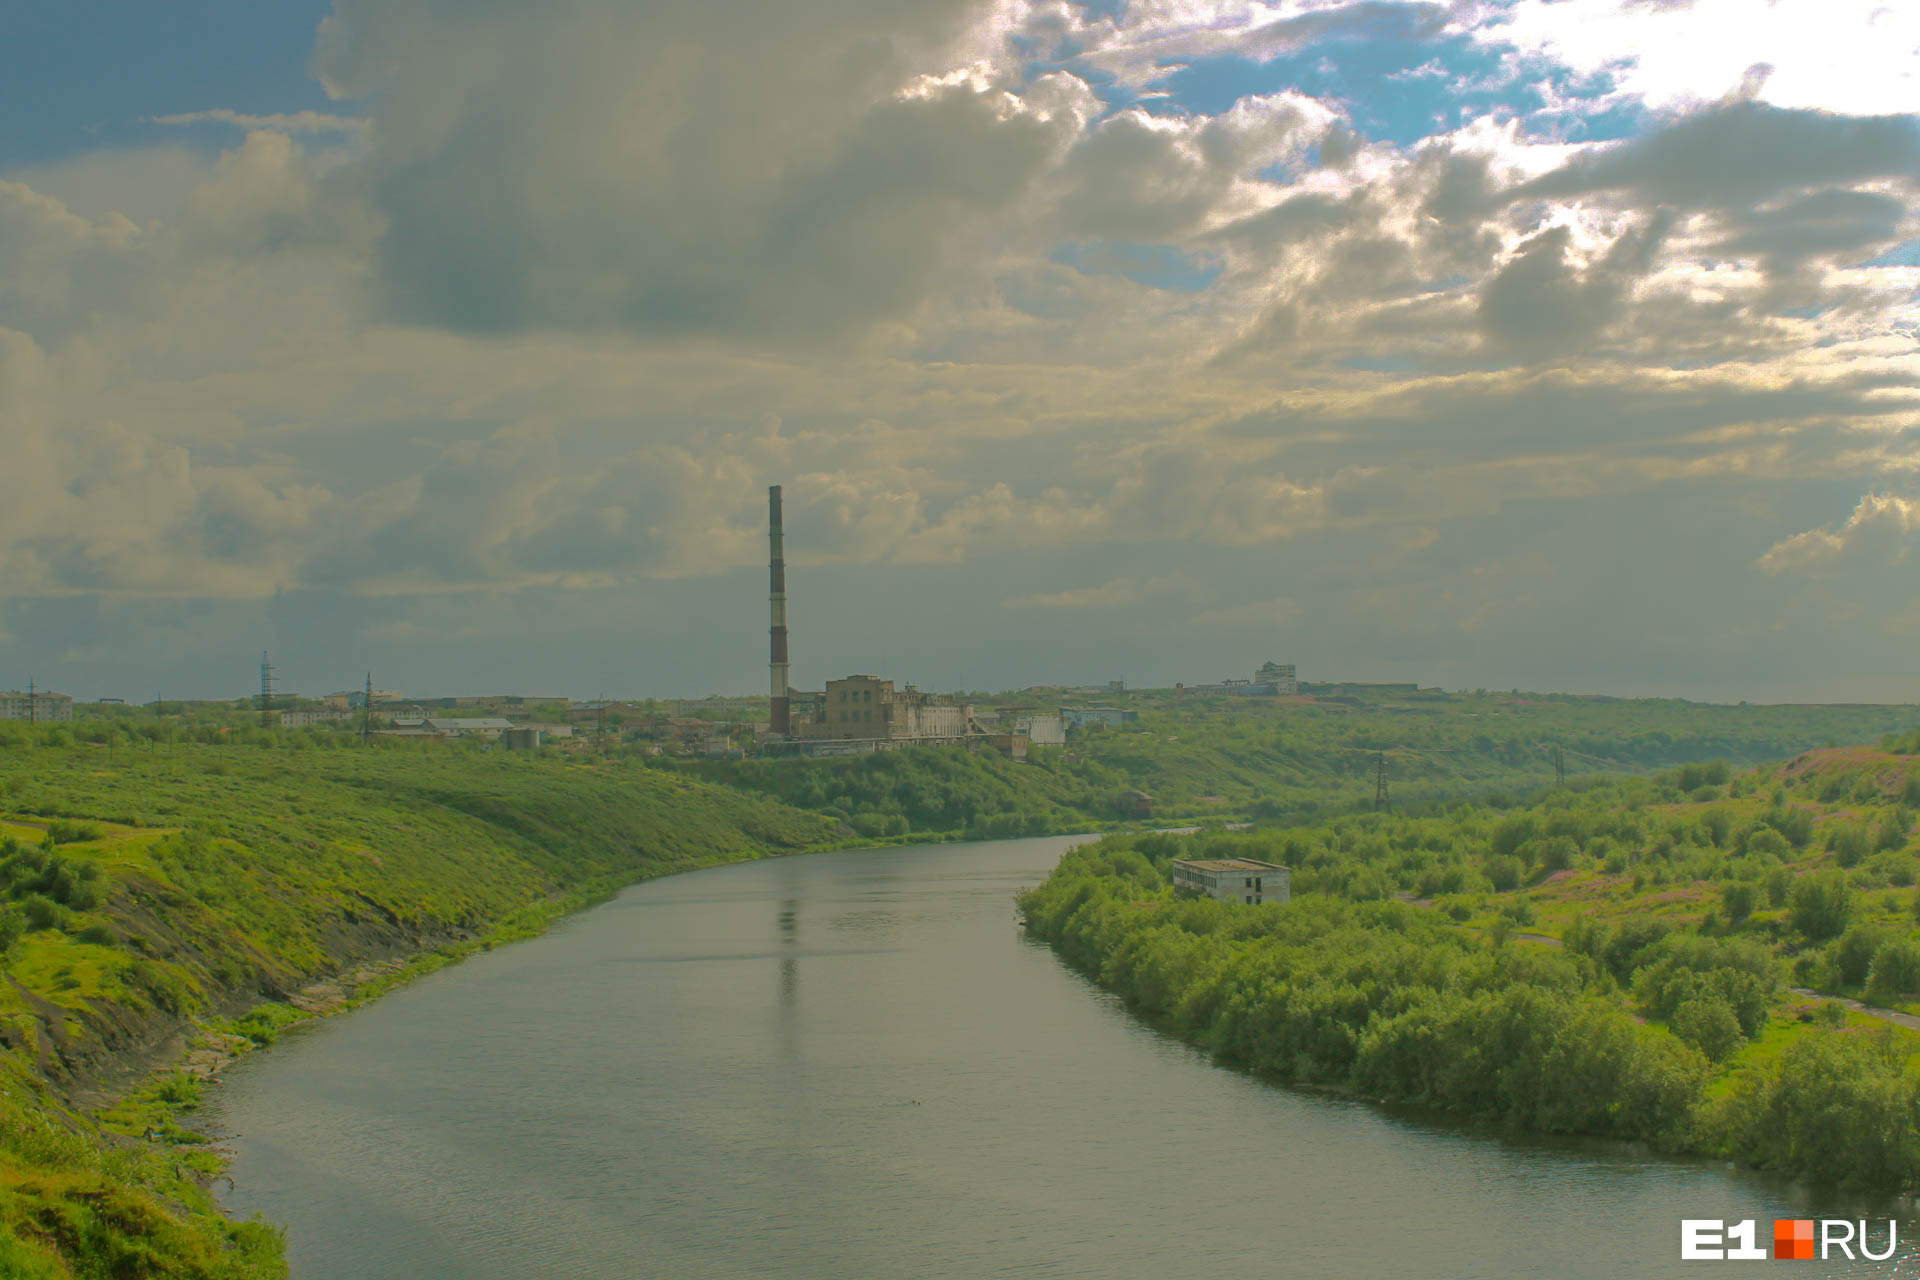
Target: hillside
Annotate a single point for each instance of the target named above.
(1263, 757)
(142, 899)
(1681, 960)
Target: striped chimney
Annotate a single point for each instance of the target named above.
(777, 600)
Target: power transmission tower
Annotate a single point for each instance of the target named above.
(1380, 800)
(266, 691)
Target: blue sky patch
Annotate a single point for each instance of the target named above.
(81, 75)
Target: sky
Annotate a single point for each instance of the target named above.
(1538, 344)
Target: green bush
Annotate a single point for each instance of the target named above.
(1503, 872)
(1848, 842)
(1853, 953)
(1818, 905)
(1895, 971)
(42, 912)
(1708, 1024)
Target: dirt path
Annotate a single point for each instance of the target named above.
(1897, 1018)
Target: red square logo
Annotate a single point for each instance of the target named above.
(1793, 1238)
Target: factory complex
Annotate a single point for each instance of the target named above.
(853, 714)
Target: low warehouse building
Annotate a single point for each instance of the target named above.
(1245, 880)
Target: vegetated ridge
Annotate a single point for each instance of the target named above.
(1202, 757)
(1677, 960)
(148, 905)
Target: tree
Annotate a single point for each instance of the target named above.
(1895, 971)
(1853, 954)
(1818, 905)
(1709, 1025)
(1739, 898)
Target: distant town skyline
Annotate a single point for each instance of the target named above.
(1567, 346)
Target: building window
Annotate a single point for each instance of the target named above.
(1248, 898)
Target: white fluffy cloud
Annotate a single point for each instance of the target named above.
(1880, 531)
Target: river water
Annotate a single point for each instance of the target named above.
(855, 1065)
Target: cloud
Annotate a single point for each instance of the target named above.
(1879, 531)
(1853, 56)
(295, 122)
(597, 166)
(1740, 154)
(1541, 300)
(1116, 594)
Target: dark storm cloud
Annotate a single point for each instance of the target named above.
(669, 169)
(1740, 154)
(1542, 300)
(1830, 221)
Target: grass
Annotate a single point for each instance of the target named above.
(230, 875)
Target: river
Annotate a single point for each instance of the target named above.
(855, 1065)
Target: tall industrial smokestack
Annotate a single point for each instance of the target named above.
(777, 600)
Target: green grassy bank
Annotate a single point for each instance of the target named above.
(1678, 960)
(147, 902)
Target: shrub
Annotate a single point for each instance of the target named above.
(1893, 829)
(1848, 842)
(1709, 1025)
(1503, 871)
(1853, 954)
(1818, 905)
(1555, 853)
(42, 912)
(1739, 898)
(1895, 970)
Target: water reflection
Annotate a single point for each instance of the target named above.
(630, 1096)
(789, 965)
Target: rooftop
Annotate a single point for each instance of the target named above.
(1228, 864)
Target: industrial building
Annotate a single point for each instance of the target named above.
(36, 705)
(1244, 880)
(488, 727)
(858, 713)
(1272, 680)
(301, 719)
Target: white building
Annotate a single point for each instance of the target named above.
(41, 707)
(1041, 731)
(301, 719)
(1245, 880)
(468, 726)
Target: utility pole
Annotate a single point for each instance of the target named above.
(266, 691)
(366, 719)
(1380, 800)
(1559, 768)
(33, 703)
